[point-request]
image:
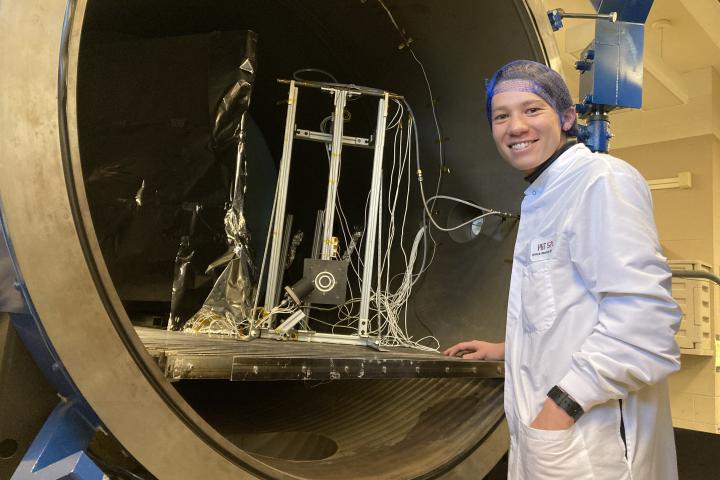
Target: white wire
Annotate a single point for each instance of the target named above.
(387, 299)
(390, 302)
(488, 212)
(465, 202)
(390, 294)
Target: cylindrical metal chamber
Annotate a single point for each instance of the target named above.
(53, 141)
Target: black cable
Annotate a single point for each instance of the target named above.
(313, 70)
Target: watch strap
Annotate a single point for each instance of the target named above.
(563, 400)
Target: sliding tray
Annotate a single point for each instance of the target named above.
(194, 356)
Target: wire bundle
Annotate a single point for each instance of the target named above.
(389, 295)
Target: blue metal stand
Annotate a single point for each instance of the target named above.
(58, 452)
(596, 134)
(611, 65)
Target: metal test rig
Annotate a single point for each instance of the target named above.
(325, 278)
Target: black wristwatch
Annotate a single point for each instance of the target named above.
(566, 402)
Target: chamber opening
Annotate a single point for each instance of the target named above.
(147, 86)
(148, 82)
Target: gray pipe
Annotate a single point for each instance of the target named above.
(695, 274)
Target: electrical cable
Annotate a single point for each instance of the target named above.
(488, 212)
(297, 77)
(389, 294)
(388, 300)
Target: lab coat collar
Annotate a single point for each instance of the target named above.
(544, 166)
(554, 171)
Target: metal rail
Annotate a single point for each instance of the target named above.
(280, 201)
(375, 191)
(358, 89)
(184, 356)
(334, 175)
(696, 274)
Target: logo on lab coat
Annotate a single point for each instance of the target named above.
(540, 249)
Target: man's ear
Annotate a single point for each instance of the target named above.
(568, 117)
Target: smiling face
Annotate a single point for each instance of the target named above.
(526, 129)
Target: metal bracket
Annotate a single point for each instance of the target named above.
(556, 16)
(290, 322)
(366, 368)
(310, 336)
(302, 134)
(59, 448)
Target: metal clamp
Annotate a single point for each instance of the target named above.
(555, 16)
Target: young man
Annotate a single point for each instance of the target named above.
(591, 322)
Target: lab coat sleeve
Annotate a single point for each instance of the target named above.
(614, 247)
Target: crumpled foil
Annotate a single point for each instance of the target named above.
(229, 304)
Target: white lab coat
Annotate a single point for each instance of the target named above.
(590, 310)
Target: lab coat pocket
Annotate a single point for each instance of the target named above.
(555, 455)
(538, 297)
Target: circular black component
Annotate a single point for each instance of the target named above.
(325, 281)
(8, 448)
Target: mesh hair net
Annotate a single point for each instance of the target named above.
(532, 77)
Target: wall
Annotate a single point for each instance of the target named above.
(660, 143)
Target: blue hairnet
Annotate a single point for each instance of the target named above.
(532, 77)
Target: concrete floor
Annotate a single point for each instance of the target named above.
(696, 452)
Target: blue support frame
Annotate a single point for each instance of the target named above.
(58, 451)
(611, 67)
(634, 11)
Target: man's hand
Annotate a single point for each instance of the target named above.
(552, 417)
(477, 350)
